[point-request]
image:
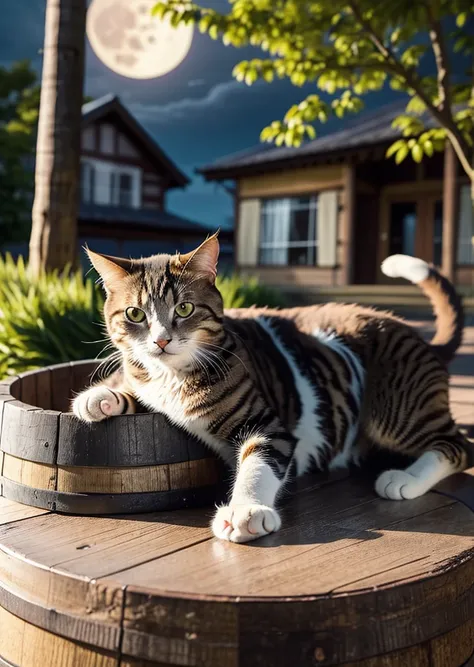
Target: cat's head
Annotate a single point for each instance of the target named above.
(165, 309)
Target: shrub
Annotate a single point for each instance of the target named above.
(240, 292)
(49, 320)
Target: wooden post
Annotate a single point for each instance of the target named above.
(450, 188)
(347, 236)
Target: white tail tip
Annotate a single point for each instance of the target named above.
(403, 266)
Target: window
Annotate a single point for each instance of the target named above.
(88, 138)
(466, 228)
(107, 139)
(121, 189)
(288, 234)
(87, 182)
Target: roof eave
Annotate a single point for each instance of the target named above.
(306, 160)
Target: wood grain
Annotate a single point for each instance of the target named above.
(33, 475)
(95, 547)
(29, 432)
(72, 607)
(137, 479)
(61, 387)
(28, 393)
(319, 525)
(182, 632)
(26, 645)
(44, 397)
(128, 440)
(453, 648)
(12, 511)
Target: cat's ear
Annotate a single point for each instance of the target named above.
(203, 259)
(112, 270)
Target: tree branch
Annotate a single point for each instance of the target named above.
(442, 61)
(443, 116)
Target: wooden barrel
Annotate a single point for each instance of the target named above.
(127, 464)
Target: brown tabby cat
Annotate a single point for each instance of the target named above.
(277, 392)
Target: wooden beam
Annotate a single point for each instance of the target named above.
(348, 220)
(449, 211)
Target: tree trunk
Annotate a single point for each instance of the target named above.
(54, 232)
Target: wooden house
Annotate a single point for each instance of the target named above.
(327, 213)
(125, 179)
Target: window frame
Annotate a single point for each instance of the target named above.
(313, 206)
(105, 172)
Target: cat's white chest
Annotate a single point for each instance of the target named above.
(163, 396)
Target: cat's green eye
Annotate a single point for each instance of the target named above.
(184, 309)
(135, 315)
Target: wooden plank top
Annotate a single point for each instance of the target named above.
(336, 536)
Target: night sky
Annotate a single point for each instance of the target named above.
(197, 113)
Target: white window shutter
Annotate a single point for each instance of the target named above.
(327, 228)
(248, 232)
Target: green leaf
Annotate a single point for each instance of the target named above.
(417, 153)
(401, 154)
(394, 147)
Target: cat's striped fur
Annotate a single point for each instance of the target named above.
(279, 392)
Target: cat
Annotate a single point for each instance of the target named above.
(276, 393)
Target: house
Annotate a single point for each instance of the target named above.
(125, 178)
(327, 213)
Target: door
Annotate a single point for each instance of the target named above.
(412, 225)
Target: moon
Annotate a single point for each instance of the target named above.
(131, 42)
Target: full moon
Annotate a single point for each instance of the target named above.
(132, 42)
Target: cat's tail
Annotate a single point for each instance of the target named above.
(446, 302)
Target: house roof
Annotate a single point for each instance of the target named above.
(92, 111)
(140, 217)
(367, 130)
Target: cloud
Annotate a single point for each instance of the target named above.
(188, 106)
(196, 82)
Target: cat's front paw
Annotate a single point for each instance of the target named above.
(399, 485)
(98, 403)
(242, 523)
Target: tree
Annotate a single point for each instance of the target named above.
(356, 46)
(19, 104)
(54, 231)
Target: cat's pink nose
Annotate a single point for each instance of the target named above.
(163, 342)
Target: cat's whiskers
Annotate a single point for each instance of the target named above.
(104, 367)
(219, 347)
(195, 357)
(214, 363)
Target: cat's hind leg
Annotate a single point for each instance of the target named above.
(442, 458)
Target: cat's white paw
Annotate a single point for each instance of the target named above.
(399, 485)
(242, 523)
(98, 403)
